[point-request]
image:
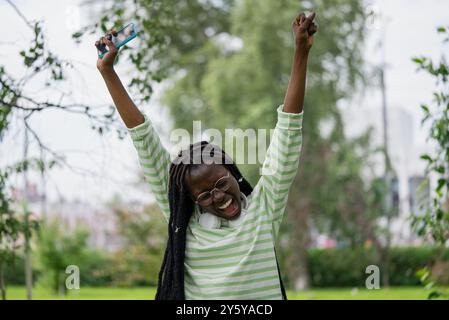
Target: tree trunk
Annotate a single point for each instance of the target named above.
(386, 266)
(2, 281)
(299, 243)
(28, 273)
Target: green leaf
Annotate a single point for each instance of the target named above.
(419, 60)
(77, 35)
(425, 108)
(427, 158)
(440, 169)
(439, 214)
(441, 183)
(433, 295)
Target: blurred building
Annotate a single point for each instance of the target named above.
(405, 146)
(99, 220)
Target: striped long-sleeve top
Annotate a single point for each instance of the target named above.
(233, 261)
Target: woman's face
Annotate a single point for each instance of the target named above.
(203, 178)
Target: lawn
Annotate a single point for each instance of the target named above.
(92, 293)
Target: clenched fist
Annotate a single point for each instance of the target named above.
(107, 62)
(303, 30)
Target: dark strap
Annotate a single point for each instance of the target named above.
(284, 295)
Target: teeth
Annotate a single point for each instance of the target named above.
(225, 205)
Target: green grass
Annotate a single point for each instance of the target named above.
(104, 293)
(85, 293)
(393, 293)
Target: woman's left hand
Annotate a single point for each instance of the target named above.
(303, 29)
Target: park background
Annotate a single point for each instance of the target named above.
(72, 191)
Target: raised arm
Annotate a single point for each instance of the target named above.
(153, 157)
(303, 29)
(282, 159)
(128, 111)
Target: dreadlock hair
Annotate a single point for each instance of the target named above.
(171, 276)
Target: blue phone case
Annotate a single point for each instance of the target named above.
(125, 41)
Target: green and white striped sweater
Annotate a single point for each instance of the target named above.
(235, 262)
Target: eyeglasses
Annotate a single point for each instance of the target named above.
(222, 184)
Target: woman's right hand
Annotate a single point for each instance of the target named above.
(107, 62)
(303, 29)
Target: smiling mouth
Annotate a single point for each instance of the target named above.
(225, 205)
(229, 208)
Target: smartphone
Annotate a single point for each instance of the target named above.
(120, 38)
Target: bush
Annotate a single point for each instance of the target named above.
(345, 267)
(15, 272)
(405, 262)
(58, 247)
(93, 271)
(340, 267)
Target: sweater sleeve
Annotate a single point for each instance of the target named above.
(155, 162)
(281, 164)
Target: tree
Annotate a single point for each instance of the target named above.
(143, 231)
(241, 87)
(434, 224)
(171, 30)
(436, 220)
(17, 101)
(59, 247)
(15, 222)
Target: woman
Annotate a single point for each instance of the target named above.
(221, 230)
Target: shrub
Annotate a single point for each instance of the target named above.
(345, 267)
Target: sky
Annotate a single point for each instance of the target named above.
(107, 165)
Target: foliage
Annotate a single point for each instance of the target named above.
(170, 30)
(13, 225)
(18, 100)
(94, 272)
(435, 222)
(345, 267)
(241, 87)
(143, 231)
(57, 248)
(352, 219)
(337, 267)
(229, 63)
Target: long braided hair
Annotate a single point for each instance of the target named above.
(171, 276)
